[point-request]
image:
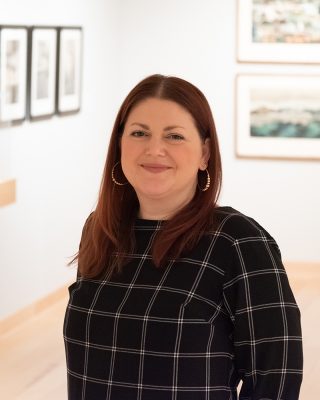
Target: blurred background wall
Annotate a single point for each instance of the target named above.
(57, 163)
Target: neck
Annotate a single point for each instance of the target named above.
(162, 208)
(154, 213)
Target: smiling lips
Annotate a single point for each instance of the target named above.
(155, 168)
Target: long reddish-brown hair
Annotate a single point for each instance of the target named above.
(107, 237)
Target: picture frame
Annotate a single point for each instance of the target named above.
(13, 74)
(69, 69)
(278, 116)
(278, 31)
(42, 64)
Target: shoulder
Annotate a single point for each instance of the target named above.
(88, 220)
(252, 250)
(236, 225)
(87, 226)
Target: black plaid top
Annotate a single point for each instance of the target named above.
(223, 313)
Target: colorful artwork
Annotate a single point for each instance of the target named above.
(286, 21)
(278, 116)
(286, 31)
(292, 113)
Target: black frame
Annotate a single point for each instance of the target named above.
(20, 119)
(48, 113)
(60, 109)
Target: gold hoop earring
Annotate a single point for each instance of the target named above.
(207, 183)
(114, 179)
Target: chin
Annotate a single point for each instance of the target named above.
(155, 192)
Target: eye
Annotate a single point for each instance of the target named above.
(138, 134)
(175, 137)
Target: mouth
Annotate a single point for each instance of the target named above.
(155, 168)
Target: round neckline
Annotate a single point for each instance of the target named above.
(148, 222)
(154, 222)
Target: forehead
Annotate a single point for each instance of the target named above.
(160, 110)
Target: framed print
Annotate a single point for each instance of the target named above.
(278, 116)
(278, 31)
(13, 74)
(42, 63)
(69, 70)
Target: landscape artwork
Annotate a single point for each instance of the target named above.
(286, 21)
(286, 31)
(290, 113)
(278, 116)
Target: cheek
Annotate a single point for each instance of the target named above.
(129, 156)
(126, 150)
(130, 148)
(192, 158)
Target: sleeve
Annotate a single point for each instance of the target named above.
(267, 332)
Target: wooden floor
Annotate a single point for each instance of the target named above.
(32, 363)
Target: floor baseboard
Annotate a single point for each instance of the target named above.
(14, 320)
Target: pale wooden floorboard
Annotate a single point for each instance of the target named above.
(305, 283)
(32, 360)
(32, 365)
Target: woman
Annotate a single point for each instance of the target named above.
(176, 298)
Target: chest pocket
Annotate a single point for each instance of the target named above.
(200, 310)
(177, 306)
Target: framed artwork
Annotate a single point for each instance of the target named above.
(42, 63)
(278, 31)
(13, 74)
(278, 116)
(69, 70)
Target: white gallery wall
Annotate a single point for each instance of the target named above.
(196, 40)
(58, 162)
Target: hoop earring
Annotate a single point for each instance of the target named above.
(207, 183)
(114, 179)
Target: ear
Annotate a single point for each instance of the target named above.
(205, 154)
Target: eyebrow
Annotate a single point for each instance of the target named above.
(167, 128)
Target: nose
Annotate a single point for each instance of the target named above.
(155, 146)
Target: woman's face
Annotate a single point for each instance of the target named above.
(161, 151)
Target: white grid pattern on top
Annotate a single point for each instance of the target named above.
(191, 331)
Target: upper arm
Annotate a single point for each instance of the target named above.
(267, 332)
